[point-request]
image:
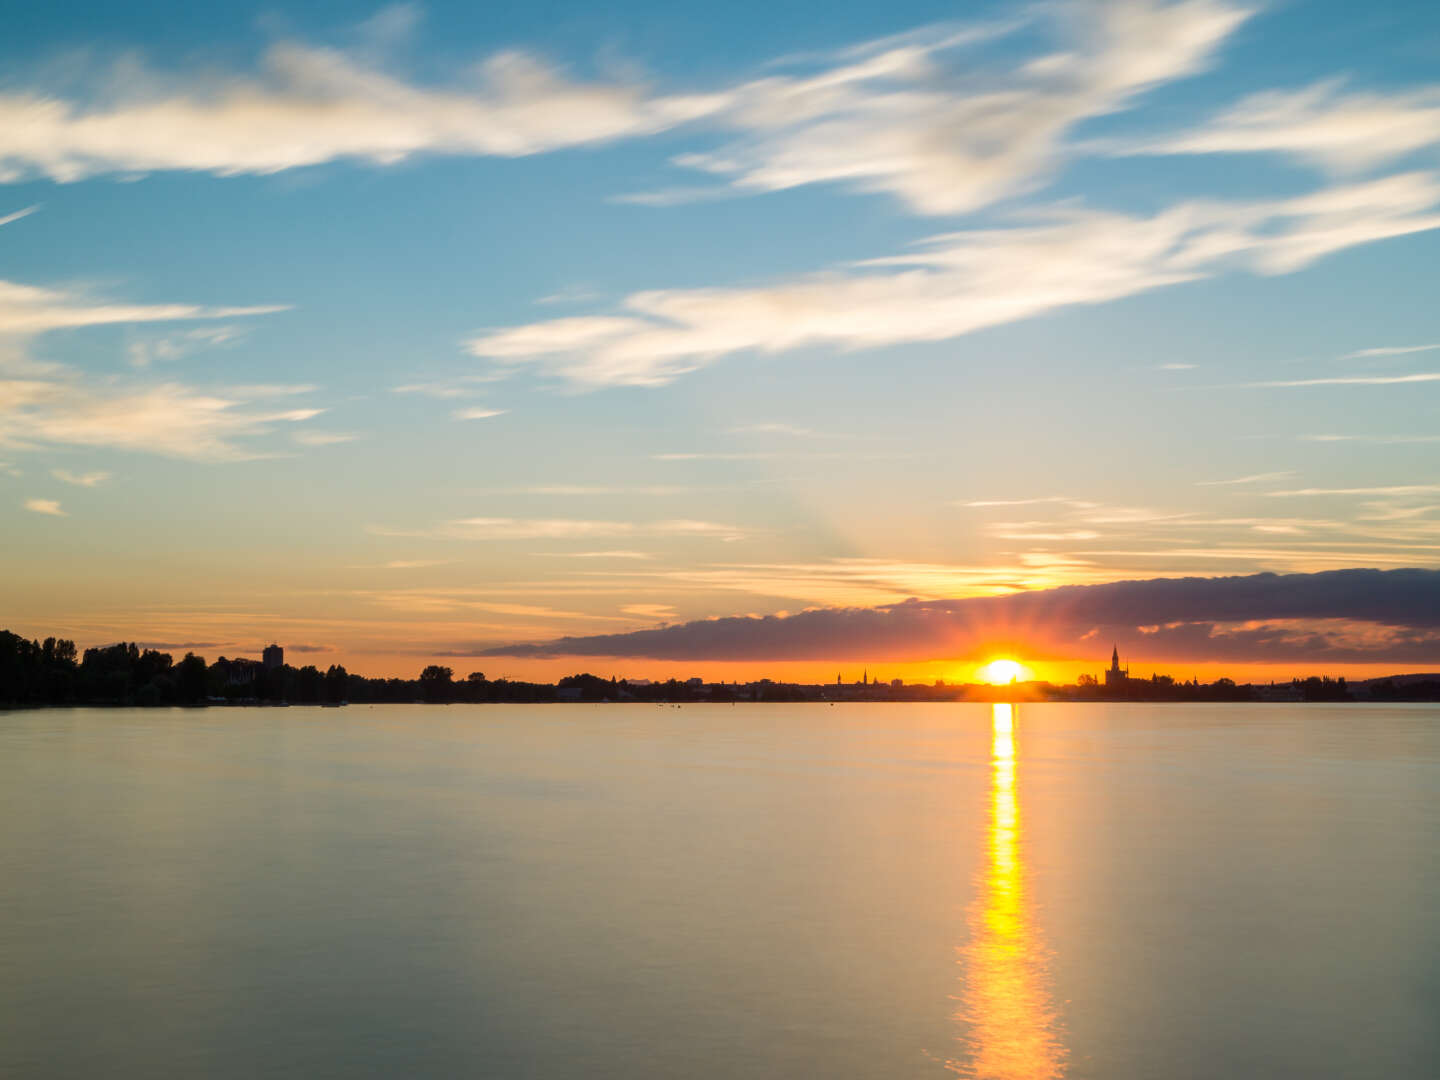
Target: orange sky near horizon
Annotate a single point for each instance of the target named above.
(380, 663)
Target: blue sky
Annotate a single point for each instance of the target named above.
(438, 328)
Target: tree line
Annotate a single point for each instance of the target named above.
(54, 672)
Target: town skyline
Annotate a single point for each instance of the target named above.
(56, 672)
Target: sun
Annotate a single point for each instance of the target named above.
(1000, 672)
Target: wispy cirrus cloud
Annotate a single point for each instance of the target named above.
(1066, 499)
(587, 490)
(860, 580)
(27, 310)
(1343, 131)
(90, 479)
(49, 507)
(616, 554)
(913, 115)
(455, 387)
(776, 427)
(322, 438)
(144, 351)
(916, 117)
(1253, 478)
(403, 564)
(677, 196)
(169, 419)
(958, 283)
(506, 528)
(1385, 528)
(1347, 380)
(16, 215)
(1380, 439)
(1389, 350)
(1391, 489)
(649, 611)
(306, 105)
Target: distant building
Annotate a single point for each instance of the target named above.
(273, 657)
(1116, 676)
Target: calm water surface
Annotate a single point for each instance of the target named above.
(1110, 891)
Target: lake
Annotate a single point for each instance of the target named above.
(620, 891)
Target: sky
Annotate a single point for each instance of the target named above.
(520, 338)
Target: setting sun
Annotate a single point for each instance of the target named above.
(1000, 672)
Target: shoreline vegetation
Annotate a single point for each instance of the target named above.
(53, 672)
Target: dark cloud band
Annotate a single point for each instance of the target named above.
(1341, 616)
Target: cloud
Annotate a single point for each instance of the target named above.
(1394, 489)
(144, 351)
(322, 438)
(980, 503)
(1389, 350)
(676, 196)
(1340, 616)
(478, 413)
(164, 418)
(45, 506)
(776, 428)
(857, 580)
(741, 455)
(585, 490)
(1253, 478)
(18, 214)
(432, 389)
(307, 106)
(504, 528)
(1348, 380)
(1324, 124)
(305, 648)
(621, 554)
(404, 564)
(649, 611)
(460, 386)
(944, 132)
(26, 310)
(185, 644)
(911, 115)
(90, 479)
(958, 283)
(1382, 439)
(30, 310)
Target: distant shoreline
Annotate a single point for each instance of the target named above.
(54, 673)
(225, 705)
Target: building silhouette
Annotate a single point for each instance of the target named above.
(273, 657)
(1116, 676)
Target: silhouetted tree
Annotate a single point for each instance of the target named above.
(337, 683)
(435, 684)
(191, 677)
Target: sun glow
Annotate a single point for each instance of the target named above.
(1000, 672)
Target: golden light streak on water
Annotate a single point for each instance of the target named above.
(1011, 1027)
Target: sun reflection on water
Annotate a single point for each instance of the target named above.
(1010, 1023)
